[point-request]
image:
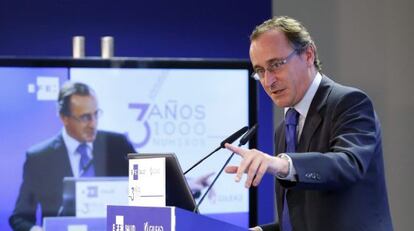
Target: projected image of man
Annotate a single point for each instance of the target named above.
(78, 150)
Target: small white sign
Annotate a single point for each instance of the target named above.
(119, 223)
(147, 182)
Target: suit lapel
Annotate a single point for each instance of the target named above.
(63, 158)
(311, 124)
(313, 119)
(99, 155)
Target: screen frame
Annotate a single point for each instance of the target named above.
(178, 63)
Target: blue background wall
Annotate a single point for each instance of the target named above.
(184, 28)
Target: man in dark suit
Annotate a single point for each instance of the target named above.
(329, 162)
(49, 162)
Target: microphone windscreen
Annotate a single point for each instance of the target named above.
(249, 134)
(234, 136)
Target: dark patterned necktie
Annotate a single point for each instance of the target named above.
(291, 122)
(86, 168)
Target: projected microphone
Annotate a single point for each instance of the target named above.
(229, 139)
(249, 134)
(86, 167)
(60, 211)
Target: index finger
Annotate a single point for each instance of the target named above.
(238, 150)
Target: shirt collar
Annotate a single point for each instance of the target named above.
(71, 143)
(304, 104)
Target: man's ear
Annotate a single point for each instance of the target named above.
(64, 119)
(310, 55)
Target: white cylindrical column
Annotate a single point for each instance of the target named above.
(78, 47)
(107, 47)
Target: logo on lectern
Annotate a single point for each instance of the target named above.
(119, 224)
(135, 172)
(149, 227)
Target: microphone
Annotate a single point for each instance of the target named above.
(249, 134)
(234, 136)
(229, 139)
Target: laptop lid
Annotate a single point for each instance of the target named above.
(178, 192)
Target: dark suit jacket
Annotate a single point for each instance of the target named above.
(48, 163)
(339, 165)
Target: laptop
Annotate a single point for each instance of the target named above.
(178, 193)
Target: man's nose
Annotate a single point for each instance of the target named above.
(93, 121)
(269, 79)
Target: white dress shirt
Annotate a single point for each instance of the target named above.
(302, 108)
(74, 157)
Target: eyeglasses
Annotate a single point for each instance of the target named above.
(259, 73)
(88, 117)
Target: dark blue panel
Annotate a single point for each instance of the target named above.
(163, 28)
(265, 198)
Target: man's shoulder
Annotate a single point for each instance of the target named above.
(108, 138)
(343, 98)
(49, 145)
(109, 135)
(340, 90)
(113, 142)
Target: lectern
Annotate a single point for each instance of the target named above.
(134, 218)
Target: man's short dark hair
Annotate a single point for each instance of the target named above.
(295, 32)
(68, 89)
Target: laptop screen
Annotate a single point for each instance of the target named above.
(177, 193)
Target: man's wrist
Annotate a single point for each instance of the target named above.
(283, 174)
(290, 173)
